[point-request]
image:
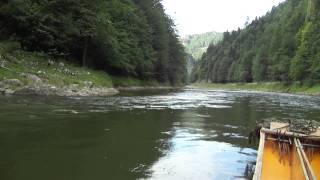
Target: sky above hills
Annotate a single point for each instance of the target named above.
(199, 16)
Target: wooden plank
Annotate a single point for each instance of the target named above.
(306, 161)
(279, 126)
(317, 133)
(259, 164)
(290, 134)
(278, 140)
(298, 149)
(284, 127)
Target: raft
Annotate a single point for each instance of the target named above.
(287, 155)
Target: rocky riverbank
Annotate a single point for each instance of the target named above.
(36, 86)
(27, 73)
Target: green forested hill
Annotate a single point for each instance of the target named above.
(197, 44)
(131, 38)
(283, 45)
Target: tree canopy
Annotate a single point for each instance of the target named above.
(123, 37)
(283, 45)
(197, 44)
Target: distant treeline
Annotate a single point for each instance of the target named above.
(197, 44)
(133, 38)
(283, 45)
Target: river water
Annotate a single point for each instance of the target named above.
(185, 134)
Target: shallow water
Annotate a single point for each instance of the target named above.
(186, 134)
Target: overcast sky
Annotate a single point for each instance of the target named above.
(199, 16)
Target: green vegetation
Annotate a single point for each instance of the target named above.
(294, 88)
(197, 44)
(59, 73)
(134, 39)
(282, 46)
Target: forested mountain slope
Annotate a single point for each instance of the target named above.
(283, 45)
(197, 44)
(132, 38)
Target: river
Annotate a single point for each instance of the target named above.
(184, 134)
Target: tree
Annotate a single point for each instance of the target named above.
(133, 38)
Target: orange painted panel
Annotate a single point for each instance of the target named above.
(280, 167)
(314, 159)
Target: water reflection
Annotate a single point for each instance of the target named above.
(190, 158)
(188, 134)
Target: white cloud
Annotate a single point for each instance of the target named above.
(199, 16)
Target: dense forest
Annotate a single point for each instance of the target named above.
(283, 45)
(131, 38)
(197, 44)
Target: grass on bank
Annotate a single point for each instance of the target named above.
(19, 62)
(295, 88)
(14, 62)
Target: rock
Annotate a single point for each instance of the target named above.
(74, 87)
(50, 62)
(41, 72)
(2, 90)
(2, 85)
(48, 90)
(8, 91)
(2, 64)
(88, 84)
(85, 92)
(45, 90)
(61, 64)
(26, 91)
(12, 82)
(35, 79)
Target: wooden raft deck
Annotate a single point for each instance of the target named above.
(287, 157)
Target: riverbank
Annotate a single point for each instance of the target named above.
(264, 87)
(28, 73)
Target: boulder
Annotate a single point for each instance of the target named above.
(45, 90)
(50, 62)
(2, 64)
(88, 84)
(26, 91)
(61, 64)
(34, 78)
(8, 91)
(2, 85)
(12, 82)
